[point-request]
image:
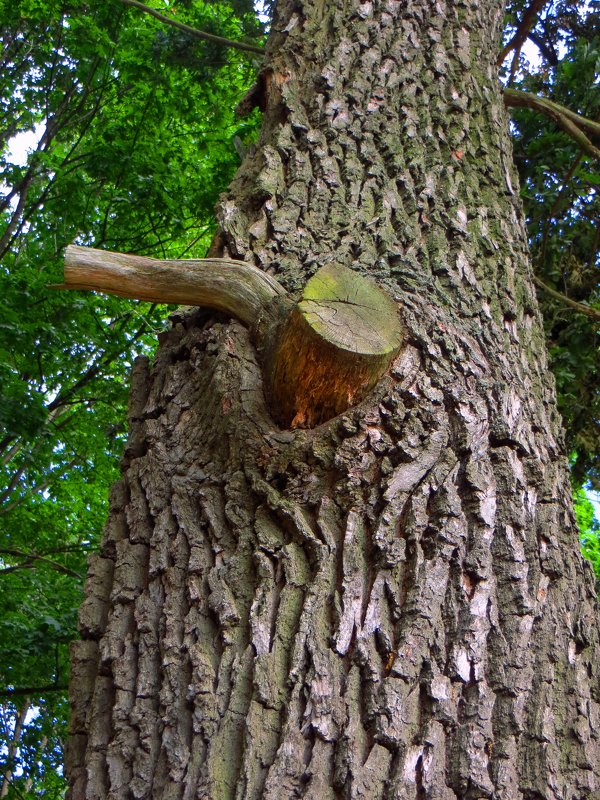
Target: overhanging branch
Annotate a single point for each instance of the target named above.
(197, 34)
(574, 124)
(522, 31)
(30, 559)
(32, 690)
(580, 307)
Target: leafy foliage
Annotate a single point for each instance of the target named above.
(562, 204)
(136, 133)
(36, 764)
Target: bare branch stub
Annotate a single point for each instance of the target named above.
(320, 355)
(226, 285)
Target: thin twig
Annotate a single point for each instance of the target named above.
(37, 489)
(572, 123)
(590, 312)
(30, 558)
(555, 205)
(198, 34)
(13, 747)
(514, 65)
(522, 31)
(26, 690)
(595, 245)
(12, 452)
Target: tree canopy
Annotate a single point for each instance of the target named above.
(137, 134)
(560, 179)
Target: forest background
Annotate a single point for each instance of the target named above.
(135, 133)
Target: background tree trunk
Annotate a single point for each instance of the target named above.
(11, 753)
(393, 604)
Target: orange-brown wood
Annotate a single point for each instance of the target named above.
(320, 356)
(334, 347)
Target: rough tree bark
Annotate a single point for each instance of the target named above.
(391, 604)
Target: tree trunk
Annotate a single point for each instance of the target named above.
(11, 751)
(392, 604)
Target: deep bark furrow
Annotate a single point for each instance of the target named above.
(462, 692)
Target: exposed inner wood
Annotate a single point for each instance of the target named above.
(332, 348)
(336, 344)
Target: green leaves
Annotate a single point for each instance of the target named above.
(135, 136)
(589, 530)
(562, 205)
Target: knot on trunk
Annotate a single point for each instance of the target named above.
(320, 355)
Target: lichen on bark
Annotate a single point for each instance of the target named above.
(391, 605)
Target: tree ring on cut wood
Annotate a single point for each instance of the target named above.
(335, 345)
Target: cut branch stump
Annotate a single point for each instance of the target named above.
(320, 355)
(335, 345)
